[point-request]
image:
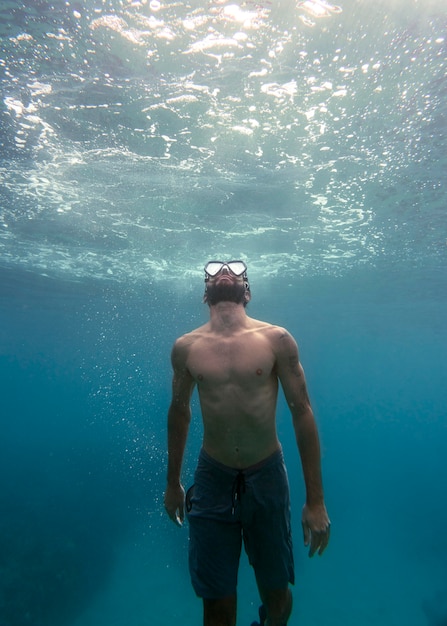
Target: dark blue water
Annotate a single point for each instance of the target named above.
(138, 140)
(85, 379)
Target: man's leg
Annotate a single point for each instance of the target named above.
(220, 612)
(268, 540)
(277, 604)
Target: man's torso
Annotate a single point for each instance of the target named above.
(238, 388)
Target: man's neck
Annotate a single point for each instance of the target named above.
(227, 317)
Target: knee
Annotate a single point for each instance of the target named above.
(219, 612)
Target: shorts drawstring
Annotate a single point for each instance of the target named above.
(237, 490)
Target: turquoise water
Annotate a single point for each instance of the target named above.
(139, 139)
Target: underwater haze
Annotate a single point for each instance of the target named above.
(141, 138)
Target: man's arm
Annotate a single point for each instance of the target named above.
(315, 521)
(179, 417)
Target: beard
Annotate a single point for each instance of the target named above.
(234, 292)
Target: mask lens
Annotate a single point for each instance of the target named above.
(237, 267)
(213, 267)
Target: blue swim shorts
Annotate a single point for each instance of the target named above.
(227, 507)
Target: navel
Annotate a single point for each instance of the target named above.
(200, 377)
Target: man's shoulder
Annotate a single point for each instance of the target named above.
(186, 340)
(182, 346)
(270, 329)
(279, 338)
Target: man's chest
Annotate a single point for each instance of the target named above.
(222, 360)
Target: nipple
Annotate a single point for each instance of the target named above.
(259, 371)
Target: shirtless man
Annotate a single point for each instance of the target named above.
(241, 490)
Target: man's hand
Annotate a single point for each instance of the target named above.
(316, 528)
(175, 503)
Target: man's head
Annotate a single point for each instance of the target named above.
(226, 282)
